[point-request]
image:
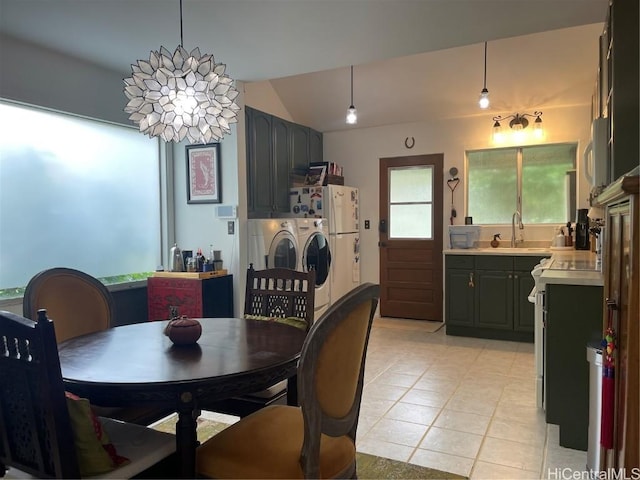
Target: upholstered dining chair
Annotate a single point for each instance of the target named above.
(316, 439)
(44, 433)
(276, 295)
(80, 304)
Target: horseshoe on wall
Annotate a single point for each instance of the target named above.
(406, 142)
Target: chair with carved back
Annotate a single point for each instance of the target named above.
(281, 295)
(80, 304)
(39, 436)
(278, 295)
(318, 438)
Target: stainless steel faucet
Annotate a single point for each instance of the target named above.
(513, 227)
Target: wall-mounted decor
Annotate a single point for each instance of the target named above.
(203, 173)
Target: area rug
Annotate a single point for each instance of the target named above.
(407, 324)
(369, 466)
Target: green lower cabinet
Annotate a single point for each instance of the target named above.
(494, 300)
(461, 300)
(486, 296)
(573, 319)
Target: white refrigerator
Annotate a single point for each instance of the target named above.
(338, 204)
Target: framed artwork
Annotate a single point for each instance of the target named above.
(203, 173)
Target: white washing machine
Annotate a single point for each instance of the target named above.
(273, 243)
(313, 238)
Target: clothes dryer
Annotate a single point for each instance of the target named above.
(313, 238)
(273, 243)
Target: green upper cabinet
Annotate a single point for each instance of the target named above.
(259, 161)
(315, 146)
(299, 147)
(274, 147)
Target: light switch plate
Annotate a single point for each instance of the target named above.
(231, 227)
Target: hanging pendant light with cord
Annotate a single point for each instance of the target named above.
(352, 113)
(181, 95)
(483, 101)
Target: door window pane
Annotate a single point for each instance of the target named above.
(75, 193)
(411, 221)
(411, 184)
(411, 202)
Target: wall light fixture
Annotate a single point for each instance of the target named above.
(517, 126)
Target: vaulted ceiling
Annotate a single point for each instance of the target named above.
(414, 60)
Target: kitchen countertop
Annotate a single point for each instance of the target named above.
(517, 251)
(573, 268)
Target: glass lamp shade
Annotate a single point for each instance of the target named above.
(181, 95)
(497, 132)
(483, 101)
(352, 115)
(538, 129)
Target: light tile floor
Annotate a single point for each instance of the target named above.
(458, 404)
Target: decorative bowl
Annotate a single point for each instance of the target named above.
(183, 331)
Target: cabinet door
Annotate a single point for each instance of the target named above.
(217, 297)
(281, 149)
(260, 169)
(460, 292)
(299, 147)
(183, 293)
(315, 146)
(494, 299)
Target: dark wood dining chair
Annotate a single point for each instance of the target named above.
(317, 439)
(37, 433)
(80, 304)
(276, 295)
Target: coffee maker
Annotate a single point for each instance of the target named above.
(582, 230)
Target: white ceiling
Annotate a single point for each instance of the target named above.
(415, 60)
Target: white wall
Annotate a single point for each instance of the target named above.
(359, 151)
(262, 96)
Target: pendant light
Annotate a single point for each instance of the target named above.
(181, 95)
(352, 113)
(483, 101)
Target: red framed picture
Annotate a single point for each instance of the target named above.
(203, 173)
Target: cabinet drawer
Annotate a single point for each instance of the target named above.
(494, 262)
(460, 261)
(525, 264)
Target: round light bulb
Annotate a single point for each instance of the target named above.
(483, 101)
(352, 115)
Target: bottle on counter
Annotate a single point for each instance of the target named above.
(568, 238)
(558, 240)
(199, 260)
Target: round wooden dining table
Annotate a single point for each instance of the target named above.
(135, 365)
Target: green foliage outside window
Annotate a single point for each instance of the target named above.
(497, 177)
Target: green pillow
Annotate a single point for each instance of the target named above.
(293, 321)
(96, 454)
